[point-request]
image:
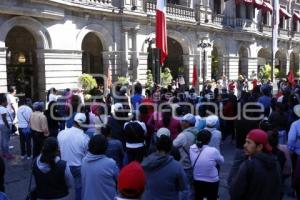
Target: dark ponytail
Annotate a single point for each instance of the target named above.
(49, 152)
(203, 138)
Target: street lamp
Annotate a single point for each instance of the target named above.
(203, 45)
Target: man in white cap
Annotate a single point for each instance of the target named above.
(216, 135)
(183, 142)
(73, 145)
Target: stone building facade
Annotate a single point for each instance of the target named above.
(50, 43)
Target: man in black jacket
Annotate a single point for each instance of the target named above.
(258, 176)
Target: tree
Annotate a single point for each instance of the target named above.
(87, 82)
(166, 77)
(265, 72)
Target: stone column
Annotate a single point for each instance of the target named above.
(252, 66)
(3, 72)
(124, 53)
(188, 61)
(62, 68)
(142, 67)
(233, 64)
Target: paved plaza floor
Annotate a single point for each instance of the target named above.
(18, 173)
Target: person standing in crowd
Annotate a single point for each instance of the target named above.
(131, 182)
(39, 127)
(2, 174)
(243, 127)
(205, 159)
(23, 115)
(184, 140)
(6, 122)
(52, 95)
(216, 135)
(137, 97)
(134, 133)
(278, 119)
(165, 119)
(259, 176)
(117, 121)
(73, 105)
(165, 176)
(99, 173)
(114, 147)
(52, 116)
(12, 104)
(52, 175)
(73, 143)
(294, 148)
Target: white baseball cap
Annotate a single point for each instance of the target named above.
(80, 118)
(163, 131)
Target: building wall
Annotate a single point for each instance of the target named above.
(59, 28)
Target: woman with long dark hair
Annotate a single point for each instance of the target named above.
(52, 175)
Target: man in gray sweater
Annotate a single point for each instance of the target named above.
(99, 173)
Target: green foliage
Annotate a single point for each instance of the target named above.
(149, 83)
(166, 77)
(87, 82)
(265, 72)
(122, 80)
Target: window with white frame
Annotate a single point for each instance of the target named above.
(217, 7)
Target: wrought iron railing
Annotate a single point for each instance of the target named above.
(91, 2)
(233, 22)
(172, 10)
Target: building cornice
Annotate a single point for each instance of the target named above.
(39, 13)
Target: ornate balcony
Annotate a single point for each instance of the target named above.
(265, 29)
(92, 2)
(295, 34)
(173, 10)
(283, 32)
(231, 22)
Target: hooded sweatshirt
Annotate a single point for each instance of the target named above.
(216, 137)
(165, 177)
(99, 177)
(258, 178)
(45, 168)
(183, 142)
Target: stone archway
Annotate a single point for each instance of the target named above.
(216, 64)
(243, 61)
(264, 57)
(21, 62)
(294, 63)
(175, 61)
(92, 60)
(280, 63)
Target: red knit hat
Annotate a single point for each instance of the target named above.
(131, 181)
(260, 137)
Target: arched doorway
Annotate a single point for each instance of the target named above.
(92, 60)
(216, 64)
(264, 57)
(21, 62)
(243, 62)
(280, 64)
(294, 63)
(175, 60)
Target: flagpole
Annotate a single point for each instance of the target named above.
(275, 20)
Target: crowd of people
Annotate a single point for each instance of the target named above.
(166, 144)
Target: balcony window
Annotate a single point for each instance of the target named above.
(217, 6)
(173, 1)
(237, 11)
(281, 22)
(295, 26)
(265, 18)
(249, 12)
